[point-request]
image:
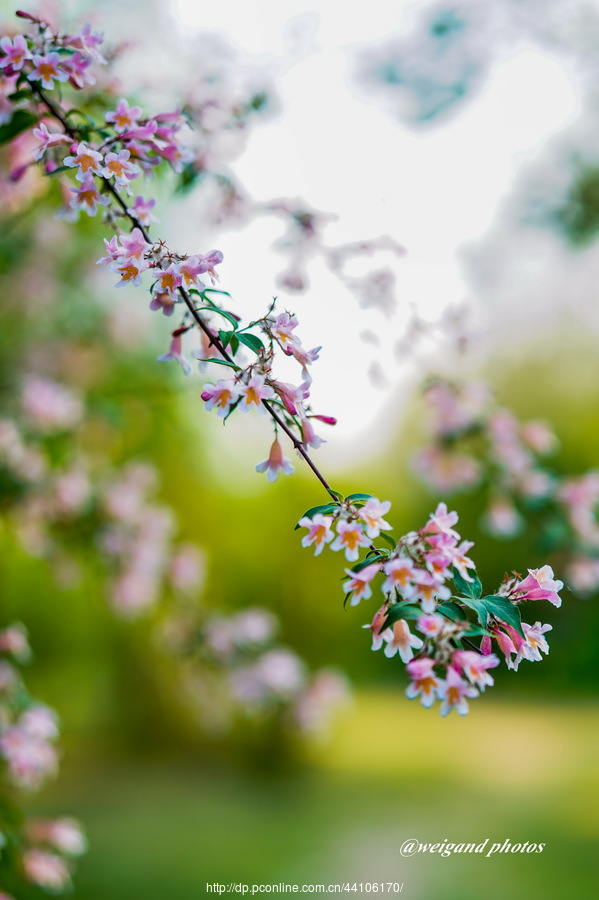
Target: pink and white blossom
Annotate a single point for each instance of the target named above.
(372, 514)
(350, 537)
(87, 197)
(359, 583)
(431, 624)
(424, 682)
(320, 531)
(474, 666)
(539, 584)
(141, 209)
(87, 161)
(377, 627)
(221, 395)
(253, 393)
(402, 641)
(124, 117)
(453, 691)
(175, 352)
(47, 139)
(119, 167)
(15, 51)
(47, 70)
(275, 463)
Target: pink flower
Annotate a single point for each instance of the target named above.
(175, 352)
(453, 691)
(506, 644)
(430, 624)
(87, 197)
(117, 166)
(164, 302)
(400, 574)
(319, 531)
(424, 681)
(253, 393)
(169, 280)
(134, 245)
(282, 330)
(210, 260)
(359, 583)
(350, 537)
(142, 211)
(292, 396)
(130, 271)
(88, 161)
(275, 463)
(47, 139)
(50, 406)
(372, 513)
(45, 69)
(304, 357)
(428, 590)
(309, 436)
(502, 518)
(223, 395)
(190, 268)
(539, 584)
(531, 648)
(88, 41)
(402, 641)
(64, 835)
(441, 522)
(13, 640)
(462, 562)
(77, 67)
(16, 52)
(113, 250)
(46, 869)
(124, 117)
(474, 666)
(377, 628)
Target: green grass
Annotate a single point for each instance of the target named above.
(160, 830)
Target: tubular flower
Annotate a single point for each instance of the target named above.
(275, 463)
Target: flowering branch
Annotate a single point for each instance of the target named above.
(418, 567)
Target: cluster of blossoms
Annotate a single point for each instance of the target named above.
(57, 506)
(254, 387)
(417, 574)
(28, 732)
(476, 444)
(240, 668)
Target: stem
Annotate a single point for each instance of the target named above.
(214, 340)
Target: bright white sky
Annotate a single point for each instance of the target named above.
(432, 189)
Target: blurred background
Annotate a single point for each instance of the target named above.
(419, 182)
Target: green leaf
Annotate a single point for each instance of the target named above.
(479, 608)
(223, 312)
(505, 610)
(336, 494)
(220, 362)
(387, 537)
(352, 497)
(401, 611)
(325, 510)
(251, 341)
(234, 344)
(56, 171)
(369, 561)
(17, 96)
(452, 611)
(225, 337)
(21, 121)
(468, 588)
